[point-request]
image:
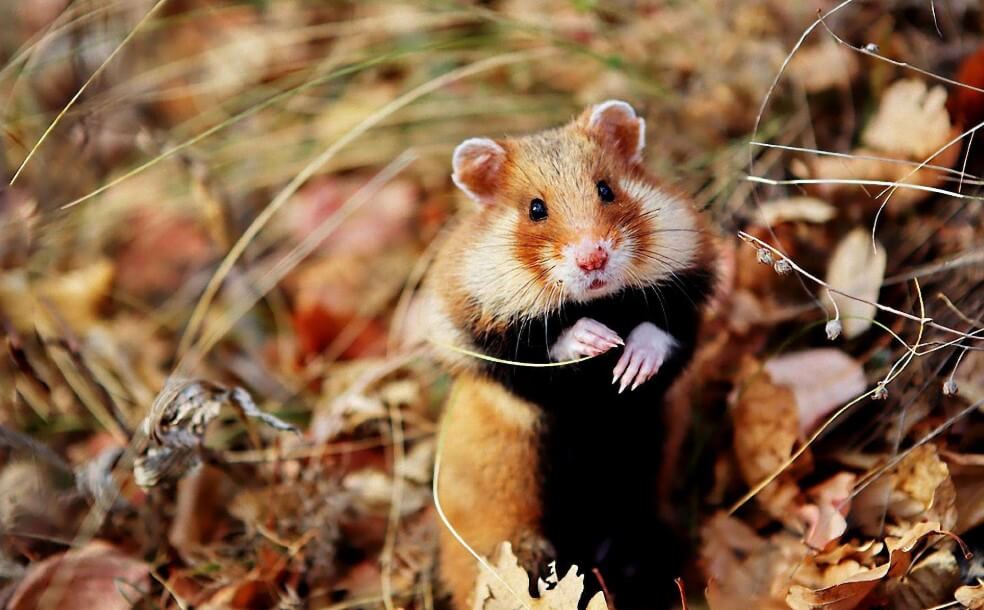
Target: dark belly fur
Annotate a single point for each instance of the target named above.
(600, 450)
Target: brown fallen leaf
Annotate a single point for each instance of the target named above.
(858, 270)
(743, 569)
(162, 252)
(849, 593)
(919, 489)
(509, 587)
(95, 576)
(766, 430)
(928, 583)
(924, 489)
(967, 474)
(971, 596)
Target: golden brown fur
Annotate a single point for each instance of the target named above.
(488, 485)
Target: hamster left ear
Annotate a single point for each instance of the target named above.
(616, 124)
(478, 167)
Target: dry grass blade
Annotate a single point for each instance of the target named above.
(284, 195)
(85, 85)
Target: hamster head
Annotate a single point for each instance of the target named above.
(569, 215)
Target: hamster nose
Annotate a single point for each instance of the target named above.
(594, 259)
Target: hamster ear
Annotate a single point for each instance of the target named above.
(617, 126)
(478, 166)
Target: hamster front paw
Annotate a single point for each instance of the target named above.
(646, 349)
(534, 554)
(586, 338)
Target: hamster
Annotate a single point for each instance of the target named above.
(574, 253)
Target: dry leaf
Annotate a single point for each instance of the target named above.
(967, 474)
(95, 576)
(929, 583)
(971, 596)
(919, 488)
(923, 489)
(175, 427)
(509, 587)
(849, 593)
(792, 209)
(821, 380)
(911, 122)
(766, 429)
(825, 519)
(744, 569)
(858, 270)
(823, 66)
(75, 296)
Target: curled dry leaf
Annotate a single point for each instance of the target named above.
(923, 488)
(852, 591)
(95, 576)
(509, 587)
(821, 380)
(856, 269)
(176, 425)
(928, 583)
(919, 489)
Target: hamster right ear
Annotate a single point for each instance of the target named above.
(478, 165)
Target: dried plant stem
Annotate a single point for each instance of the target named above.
(95, 74)
(396, 502)
(201, 308)
(922, 320)
(829, 153)
(930, 436)
(487, 358)
(271, 278)
(231, 121)
(862, 182)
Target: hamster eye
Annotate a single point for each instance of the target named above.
(538, 210)
(605, 192)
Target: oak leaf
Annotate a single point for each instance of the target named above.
(508, 588)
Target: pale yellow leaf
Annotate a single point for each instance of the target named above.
(911, 120)
(856, 269)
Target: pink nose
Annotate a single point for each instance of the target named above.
(594, 259)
